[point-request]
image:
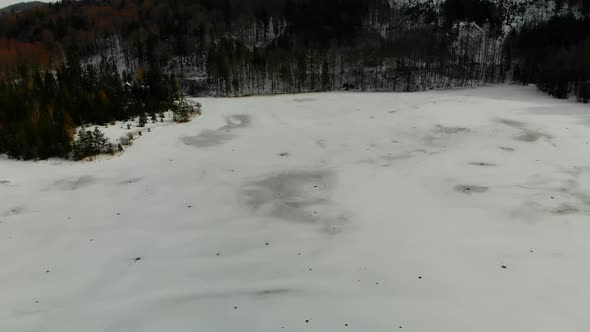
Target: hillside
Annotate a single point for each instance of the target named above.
(21, 6)
(232, 47)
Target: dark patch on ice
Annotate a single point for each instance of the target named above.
(302, 100)
(388, 159)
(531, 136)
(4, 182)
(288, 195)
(73, 184)
(130, 181)
(332, 230)
(14, 211)
(451, 130)
(471, 189)
(209, 138)
(269, 292)
(321, 143)
(575, 197)
(566, 209)
(391, 157)
(237, 121)
(482, 164)
(526, 135)
(284, 154)
(137, 259)
(506, 148)
(511, 123)
(299, 196)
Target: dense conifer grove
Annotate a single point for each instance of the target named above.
(71, 63)
(40, 109)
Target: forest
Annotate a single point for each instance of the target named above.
(71, 63)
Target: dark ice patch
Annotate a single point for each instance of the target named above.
(321, 143)
(531, 136)
(270, 292)
(237, 121)
(390, 159)
(526, 135)
(565, 209)
(451, 130)
(302, 100)
(209, 138)
(482, 164)
(471, 189)
(511, 123)
(73, 184)
(289, 195)
(394, 157)
(130, 181)
(14, 211)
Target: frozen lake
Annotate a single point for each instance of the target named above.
(464, 210)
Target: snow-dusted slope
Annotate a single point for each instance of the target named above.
(461, 210)
(516, 13)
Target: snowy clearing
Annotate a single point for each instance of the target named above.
(463, 210)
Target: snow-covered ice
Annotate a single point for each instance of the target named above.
(464, 210)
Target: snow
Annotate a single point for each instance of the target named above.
(463, 210)
(125, 133)
(114, 131)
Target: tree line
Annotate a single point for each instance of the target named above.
(555, 55)
(234, 47)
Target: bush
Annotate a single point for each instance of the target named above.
(142, 120)
(583, 92)
(124, 141)
(182, 111)
(89, 143)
